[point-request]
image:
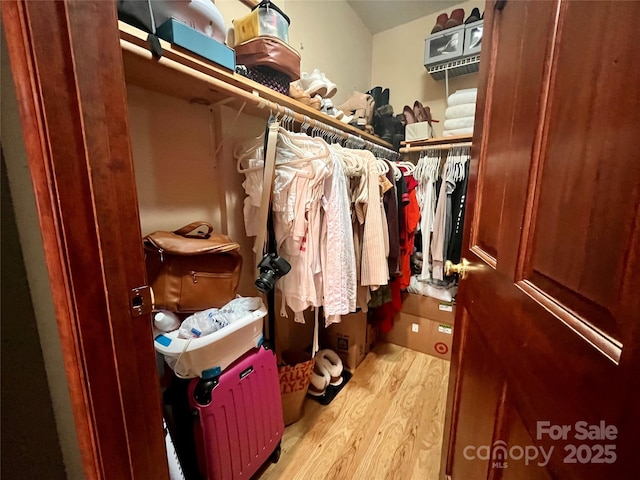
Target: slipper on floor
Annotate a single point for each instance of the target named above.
(330, 361)
(320, 379)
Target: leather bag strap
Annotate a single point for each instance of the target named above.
(267, 187)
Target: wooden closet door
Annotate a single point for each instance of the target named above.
(68, 71)
(544, 380)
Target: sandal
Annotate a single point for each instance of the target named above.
(409, 116)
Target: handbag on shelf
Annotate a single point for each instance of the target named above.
(269, 52)
(192, 269)
(270, 62)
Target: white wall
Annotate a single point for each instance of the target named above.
(180, 175)
(398, 64)
(328, 35)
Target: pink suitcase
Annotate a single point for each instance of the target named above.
(239, 423)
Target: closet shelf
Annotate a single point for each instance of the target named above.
(181, 74)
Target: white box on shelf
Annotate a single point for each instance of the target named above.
(418, 131)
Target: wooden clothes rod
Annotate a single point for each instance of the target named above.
(289, 117)
(442, 146)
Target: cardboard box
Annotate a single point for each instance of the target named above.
(291, 335)
(428, 307)
(432, 337)
(347, 338)
(180, 34)
(372, 337)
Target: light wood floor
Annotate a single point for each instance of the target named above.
(386, 423)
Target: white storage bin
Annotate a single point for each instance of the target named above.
(418, 131)
(444, 45)
(473, 38)
(270, 21)
(190, 357)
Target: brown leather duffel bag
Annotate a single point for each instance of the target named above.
(192, 269)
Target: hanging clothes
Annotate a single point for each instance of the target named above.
(412, 218)
(338, 255)
(390, 201)
(426, 174)
(329, 221)
(459, 201)
(374, 270)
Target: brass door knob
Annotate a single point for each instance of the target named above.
(462, 268)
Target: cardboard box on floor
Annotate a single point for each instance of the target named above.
(424, 324)
(347, 338)
(291, 335)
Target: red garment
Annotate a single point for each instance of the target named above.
(412, 218)
(385, 314)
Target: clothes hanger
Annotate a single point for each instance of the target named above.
(383, 167)
(407, 166)
(397, 174)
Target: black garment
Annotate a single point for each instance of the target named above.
(391, 209)
(403, 201)
(458, 201)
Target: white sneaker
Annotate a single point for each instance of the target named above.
(332, 88)
(313, 83)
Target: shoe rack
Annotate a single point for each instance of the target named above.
(453, 68)
(454, 51)
(182, 74)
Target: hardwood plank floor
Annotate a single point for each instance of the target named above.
(386, 423)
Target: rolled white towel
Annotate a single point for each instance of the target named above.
(460, 111)
(456, 123)
(459, 131)
(460, 97)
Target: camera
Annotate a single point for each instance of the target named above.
(271, 267)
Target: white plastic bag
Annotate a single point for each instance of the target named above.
(208, 321)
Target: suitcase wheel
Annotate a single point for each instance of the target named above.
(275, 456)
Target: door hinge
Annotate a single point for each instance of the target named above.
(141, 301)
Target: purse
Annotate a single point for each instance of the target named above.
(269, 52)
(192, 269)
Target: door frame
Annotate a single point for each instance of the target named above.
(67, 67)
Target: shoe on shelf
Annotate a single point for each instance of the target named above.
(316, 102)
(456, 18)
(452, 45)
(313, 84)
(474, 16)
(383, 122)
(360, 105)
(409, 116)
(384, 97)
(419, 112)
(376, 93)
(476, 37)
(332, 88)
(440, 23)
(345, 118)
(297, 93)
